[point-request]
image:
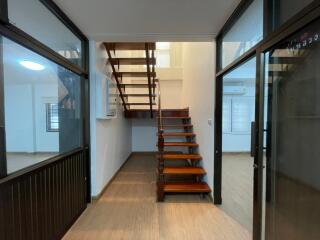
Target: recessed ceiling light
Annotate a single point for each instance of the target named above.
(32, 65)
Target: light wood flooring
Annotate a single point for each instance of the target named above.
(237, 187)
(128, 210)
(18, 161)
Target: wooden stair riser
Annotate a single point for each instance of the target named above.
(175, 112)
(186, 188)
(179, 144)
(184, 171)
(129, 46)
(131, 61)
(178, 126)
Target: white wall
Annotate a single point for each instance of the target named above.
(26, 93)
(25, 108)
(110, 139)
(198, 93)
(19, 124)
(171, 91)
(144, 135)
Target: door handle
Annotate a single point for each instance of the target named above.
(253, 139)
(256, 166)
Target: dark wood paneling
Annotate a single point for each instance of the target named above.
(42, 204)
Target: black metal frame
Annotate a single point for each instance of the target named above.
(271, 37)
(4, 11)
(3, 159)
(15, 34)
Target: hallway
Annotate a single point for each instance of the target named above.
(128, 210)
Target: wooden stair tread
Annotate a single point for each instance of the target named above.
(178, 117)
(182, 156)
(177, 126)
(140, 104)
(186, 188)
(132, 61)
(175, 109)
(130, 45)
(138, 95)
(184, 170)
(136, 85)
(178, 134)
(180, 144)
(135, 74)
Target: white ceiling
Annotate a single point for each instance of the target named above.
(149, 20)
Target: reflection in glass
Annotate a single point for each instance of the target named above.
(286, 9)
(293, 166)
(34, 18)
(247, 32)
(42, 107)
(237, 171)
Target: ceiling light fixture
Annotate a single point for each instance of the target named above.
(32, 65)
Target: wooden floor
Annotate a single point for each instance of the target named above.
(128, 210)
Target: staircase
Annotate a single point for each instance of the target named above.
(139, 96)
(178, 171)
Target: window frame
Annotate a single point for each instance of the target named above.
(232, 100)
(49, 122)
(24, 39)
(160, 50)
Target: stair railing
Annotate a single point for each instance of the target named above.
(114, 71)
(149, 78)
(160, 179)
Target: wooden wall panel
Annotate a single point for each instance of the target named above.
(42, 204)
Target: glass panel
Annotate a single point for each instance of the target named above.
(293, 166)
(226, 115)
(31, 84)
(242, 114)
(247, 32)
(35, 19)
(237, 170)
(288, 8)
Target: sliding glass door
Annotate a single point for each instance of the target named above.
(238, 115)
(292, 77)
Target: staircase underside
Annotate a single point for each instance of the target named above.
(135, 76)
(145, 113)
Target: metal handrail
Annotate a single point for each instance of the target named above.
(149, 78)
(160, 124)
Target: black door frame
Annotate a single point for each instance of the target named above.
(3, 157)
(305, 16)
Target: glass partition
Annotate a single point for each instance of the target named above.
(244, 34)
(34, 18)
(238, 113)
(292, 198)
(42, 107)
(285, 9)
